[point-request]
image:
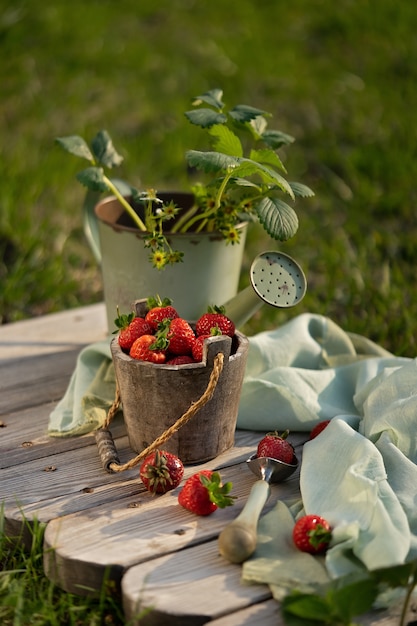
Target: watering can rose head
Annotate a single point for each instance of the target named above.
(243, 183)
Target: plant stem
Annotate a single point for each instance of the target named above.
(182, 224)
(222, 188)
(410, 590)
(135, 217)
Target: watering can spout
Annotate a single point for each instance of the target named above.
(276, 279)
(243, 306)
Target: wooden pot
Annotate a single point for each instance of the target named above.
(155, 396)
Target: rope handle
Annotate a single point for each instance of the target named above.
(105, 443)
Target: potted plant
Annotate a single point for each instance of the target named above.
(203, 228)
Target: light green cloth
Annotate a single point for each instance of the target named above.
(359, 474)
(89, 395)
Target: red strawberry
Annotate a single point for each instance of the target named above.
(312, 534)
(318, 428)
(161, 471)
(181, 337)
(159, 310)
(146, 348)
(180, 360)
(276, 446)
(198, 346)
(203, 493)
(215, 317)
(130, 328)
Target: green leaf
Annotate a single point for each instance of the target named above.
(224, 140)
(301, 190)
(92, 178)
(212, 97)
(275, 139)
(307, 606)
(210, 162)
(243, 113)
(76, 145)
(354, 599)
(269, 157)
(205, 117)
(258, 126)
(278, 218)
(398, 576)
(271, 177)
(104, 150)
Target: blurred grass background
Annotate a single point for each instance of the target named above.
(340, 77)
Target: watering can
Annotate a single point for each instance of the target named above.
(275, 277)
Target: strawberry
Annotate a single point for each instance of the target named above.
(318, 428)
(276, 446)
(197, 350)
(203, 493)
(145, 348)
(181, 337)
(184, 359)
(312, 534)
(161, 471)
(159, 310)
(215, 318)
(130, 328)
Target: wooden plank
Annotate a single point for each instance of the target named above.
(35, 380)
(193, 586)
(196, 586)
(78, 548)
(52, 333)
(24, 437)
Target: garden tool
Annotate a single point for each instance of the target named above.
(237, 541)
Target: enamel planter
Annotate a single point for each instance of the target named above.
(209, 273)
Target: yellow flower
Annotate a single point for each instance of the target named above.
(232, 236)
(159, 259)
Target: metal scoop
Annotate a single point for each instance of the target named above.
(237, 541)
(276, 279)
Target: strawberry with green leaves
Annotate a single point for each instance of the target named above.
(204, 492)
(147, 348)
(312, 534)
(159, 310)
(198, 347)
(215, 318)
(181, 337)
(161, 471)
(276, 446)
(130, 328)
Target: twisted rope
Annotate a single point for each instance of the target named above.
(193, 409)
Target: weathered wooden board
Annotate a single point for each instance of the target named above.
(195, 584)
(53, 333)
(35, 380)
(79, 547)
(24, 437)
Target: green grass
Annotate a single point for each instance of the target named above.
(340, 77)
(28, 597)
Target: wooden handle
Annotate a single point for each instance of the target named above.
(237, 541)
(106, 449)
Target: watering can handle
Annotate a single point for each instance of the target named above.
(90, 221)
